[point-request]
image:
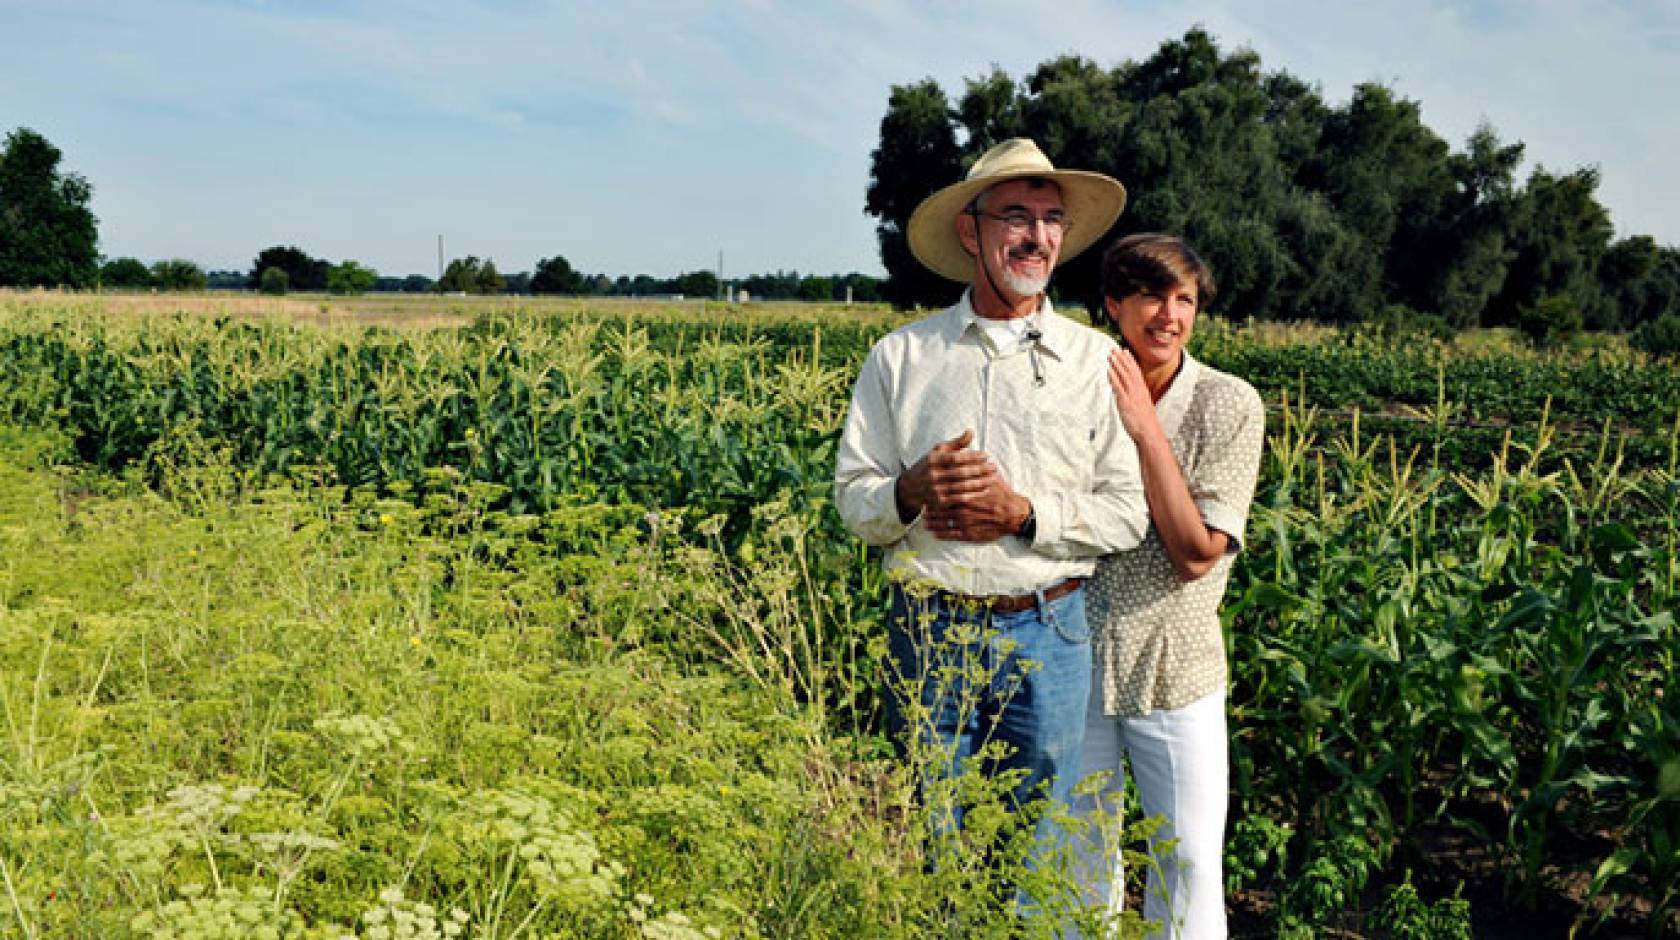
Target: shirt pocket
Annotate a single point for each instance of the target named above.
(1063, 446)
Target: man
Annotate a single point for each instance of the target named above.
(983, 449)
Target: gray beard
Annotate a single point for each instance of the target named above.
(1024, 286)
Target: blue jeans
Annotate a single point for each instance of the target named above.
(1019, 678)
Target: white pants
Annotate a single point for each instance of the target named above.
(1180, 763)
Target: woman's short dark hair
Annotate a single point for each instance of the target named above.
(1152, 262)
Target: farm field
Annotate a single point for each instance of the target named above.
(436, 618)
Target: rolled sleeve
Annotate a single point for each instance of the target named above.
(1225, 478)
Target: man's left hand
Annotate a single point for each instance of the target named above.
(987, 510)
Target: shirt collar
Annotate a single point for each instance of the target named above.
(1053, 327)
(1170, 410)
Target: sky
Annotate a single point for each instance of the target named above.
(653, 136)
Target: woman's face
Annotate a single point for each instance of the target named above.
(1156, 325)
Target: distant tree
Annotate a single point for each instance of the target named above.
(469, 275)
(555, 276)
(816, 289)
(228, 280)
(274, 281)
(460, 276)
(177, 274)
(417, 284)
(700, 284)
(350, 277)
(865, 289)
(48, 235)
(779, 286)
(125, 273)
(302, 271)
(519, 282)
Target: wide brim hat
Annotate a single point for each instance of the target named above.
(1092, 202)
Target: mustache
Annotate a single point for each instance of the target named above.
(1029, 250)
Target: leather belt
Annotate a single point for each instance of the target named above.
(1012, 603)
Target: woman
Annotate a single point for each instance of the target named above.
(1158, 692)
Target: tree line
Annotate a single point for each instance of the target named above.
(1350, 213)
(49, 238)
(283, 268)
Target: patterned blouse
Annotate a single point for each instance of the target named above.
(1158, 639)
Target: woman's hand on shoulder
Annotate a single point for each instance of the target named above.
(1131, 393)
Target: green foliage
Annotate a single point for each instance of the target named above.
(274, 281)
(917, 154)
(469, 275)
(1642, 283)
(248, 713)
(1552, 321)
(1557, 238)
(1306, 210)
(176, 274)
(1408, 638)
(555, 276)
(1660, 337)
(497, 609)
(48, 235)
(302, 271)
(349, 277)
(125, 273)
(701, 284)
(1403, 915)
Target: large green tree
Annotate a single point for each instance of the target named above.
(1558, 234)
(48, 235)
(1388, 177)
(1468, 249)
(917, 154)
(1304, 209)
(302, 271)
(1641, 283)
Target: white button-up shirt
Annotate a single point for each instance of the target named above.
(1058, 442)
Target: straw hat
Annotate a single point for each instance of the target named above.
(1092, 202)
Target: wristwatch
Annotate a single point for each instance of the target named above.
(1029, 527)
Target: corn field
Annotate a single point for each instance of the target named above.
(1451, 632)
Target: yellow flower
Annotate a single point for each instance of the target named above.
(385, 518)
(414, 641)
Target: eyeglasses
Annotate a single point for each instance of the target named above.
(1020, 223)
